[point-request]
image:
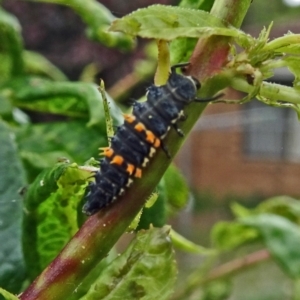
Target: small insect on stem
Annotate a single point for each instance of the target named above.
(138, 139)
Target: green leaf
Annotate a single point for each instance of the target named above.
(50, 220)
(176, 188)
(107, 112)
(6, 109)
(42, 145)
(7, 295)
(97, 17)
(152, 199)
(73, 99)
(169, 22)
(197, 4)
(40, 161)
(230, 235)
(11, 45)
(37, 64)
(66, 98)
(180, 242)
(239, 210)
(146, 270)
(281, 237)
(293, 49)
(287, 44)
(293, 65)
(12, 179)
(181, 49)
(283, 206)
(157, 213)
(218, 290)
(84, 287)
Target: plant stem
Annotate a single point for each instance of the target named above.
(273, 91)
(223, 271)
(283, 41)
(237, 265)
(211, 53)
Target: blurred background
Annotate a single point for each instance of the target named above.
(241, 153)
(248, 152)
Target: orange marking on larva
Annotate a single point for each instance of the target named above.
(139, 127)
(129, 118)
(157, 143)
(130, 169)
(138, 173)
(103, 148)
(150, 137)
(117, 160)
(106, 151)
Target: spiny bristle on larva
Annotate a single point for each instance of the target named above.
(152, 152)
(130, 169)
(106, 151)
(121, 192)
(129, 182)
(150, 137)
(140, 127)
(118, 160)
(138, 173)
(129, 118)
(145, 162)
(157, 143)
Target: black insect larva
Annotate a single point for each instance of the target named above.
(137, 140)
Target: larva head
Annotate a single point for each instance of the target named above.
(184, 88)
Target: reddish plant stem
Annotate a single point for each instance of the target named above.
(237, 265)
(226, 270)
(207, 60)
(211, 53)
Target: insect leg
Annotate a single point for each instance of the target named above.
(178, 130)
(165, 149)
(180, 65)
